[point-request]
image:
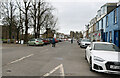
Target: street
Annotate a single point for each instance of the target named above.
(64, 60)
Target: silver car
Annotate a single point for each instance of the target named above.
(84, 43)
(36, 42)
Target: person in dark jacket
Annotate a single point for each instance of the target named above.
(53, 42)
(71, 41)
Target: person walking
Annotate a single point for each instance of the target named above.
(53, 42)
(71, 41)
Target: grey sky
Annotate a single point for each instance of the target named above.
(74, 14)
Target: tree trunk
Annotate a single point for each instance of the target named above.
(38, 19)
(26, 24)
(35, 12)
(17, 34)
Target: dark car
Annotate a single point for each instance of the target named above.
(79, 40)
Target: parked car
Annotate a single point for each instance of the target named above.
(46, 41)
(56, 40)
(103, 57)
(60, 40)
(79, 41)
(84, 43)
(50, 39)
(36, 42)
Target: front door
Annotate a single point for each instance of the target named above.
(116, 40)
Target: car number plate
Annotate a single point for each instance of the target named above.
(114, 67)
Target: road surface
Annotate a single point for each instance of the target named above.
(64, 60)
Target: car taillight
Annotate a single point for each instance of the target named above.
(37, 41)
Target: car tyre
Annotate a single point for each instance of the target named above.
(91, 64)
(34, 44)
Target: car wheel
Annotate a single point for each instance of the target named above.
(91, 64)
(34, 44)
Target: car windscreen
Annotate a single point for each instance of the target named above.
(106, 47)
(85, 40)
(32, 39)
(39, 39)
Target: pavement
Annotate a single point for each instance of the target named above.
(64, 60)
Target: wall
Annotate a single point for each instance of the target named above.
(112, 27)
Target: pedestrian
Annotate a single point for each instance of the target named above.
(71, 41)
(53, 42)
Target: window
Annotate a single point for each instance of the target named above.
(102, 24)
(97, 25)
(32, 40)
(107, 21)
(110, 36)
(115, 17)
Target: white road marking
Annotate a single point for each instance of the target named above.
(62, 70)
(56, 68)
(24, 58)
(20, 59)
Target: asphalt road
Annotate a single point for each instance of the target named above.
(64, 60)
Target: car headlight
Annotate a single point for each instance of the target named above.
(98, 59)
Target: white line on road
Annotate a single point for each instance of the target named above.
(20, 59)
(56, 68)
(23, 58)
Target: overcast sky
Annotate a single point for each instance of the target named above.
(74, 14)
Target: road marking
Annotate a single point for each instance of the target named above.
(56, 68)
(23, 58)
(20, 59)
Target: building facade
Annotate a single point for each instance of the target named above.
(107, 25)
(112, 31)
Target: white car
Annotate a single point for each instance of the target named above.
(103, 57)
(84, 43)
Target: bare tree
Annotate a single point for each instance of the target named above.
(19, 24)
(43, 8)
(25, 11)
(33, 13)
(8, 12)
